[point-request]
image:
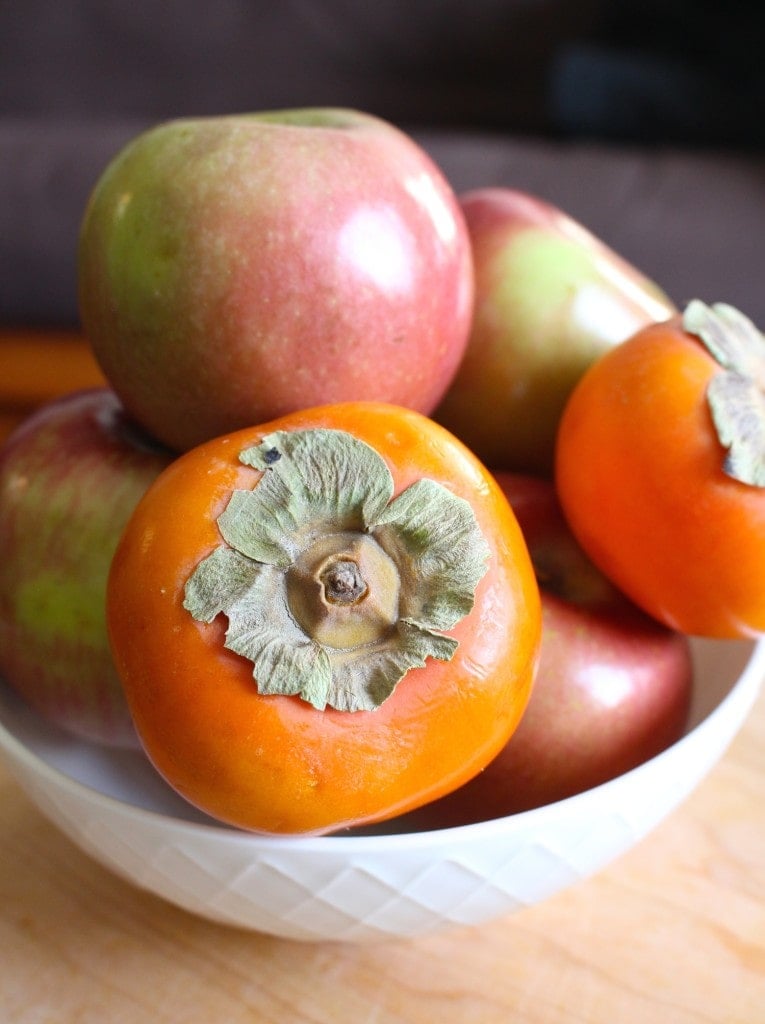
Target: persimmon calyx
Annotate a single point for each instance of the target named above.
(736, 394)
(333, 588)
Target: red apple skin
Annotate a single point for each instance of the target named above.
(70, 475)
(550, 298)
(613, 687)
(234, 269)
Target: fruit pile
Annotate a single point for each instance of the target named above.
(270, 551)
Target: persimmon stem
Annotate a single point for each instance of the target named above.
(334, 587)
(343, 583)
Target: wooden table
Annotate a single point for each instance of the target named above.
(674, 932)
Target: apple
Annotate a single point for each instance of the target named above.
(233, 269)
(70, 476)
(613, 686)
(550, 298)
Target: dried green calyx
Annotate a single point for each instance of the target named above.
(332, 588)
(736, 395)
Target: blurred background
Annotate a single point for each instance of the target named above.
(642, 120)
(653, 71)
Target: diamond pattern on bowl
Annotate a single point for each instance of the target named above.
(288, 891)
(310, 897)
(374, 887)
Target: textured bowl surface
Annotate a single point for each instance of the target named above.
(381, 884)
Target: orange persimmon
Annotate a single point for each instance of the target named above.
(324, 621)
(660, 469)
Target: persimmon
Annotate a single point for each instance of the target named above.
(325, 620)
(660, 469)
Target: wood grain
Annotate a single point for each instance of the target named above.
(674, 932)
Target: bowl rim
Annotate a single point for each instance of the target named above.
(745, 688)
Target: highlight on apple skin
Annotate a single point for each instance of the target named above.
(613, 686)
(550, 297)
(234, 269)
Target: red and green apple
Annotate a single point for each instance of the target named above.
(613, 686)
(233, 269)
(550, 297)
(70, 476)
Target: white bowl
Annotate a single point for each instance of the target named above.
(366, 887)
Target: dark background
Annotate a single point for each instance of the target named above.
(643, 120)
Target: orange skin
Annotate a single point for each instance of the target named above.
(275, 764)
(640, 477)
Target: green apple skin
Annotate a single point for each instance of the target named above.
(236, 268)
(70, 476)
(549, 299)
